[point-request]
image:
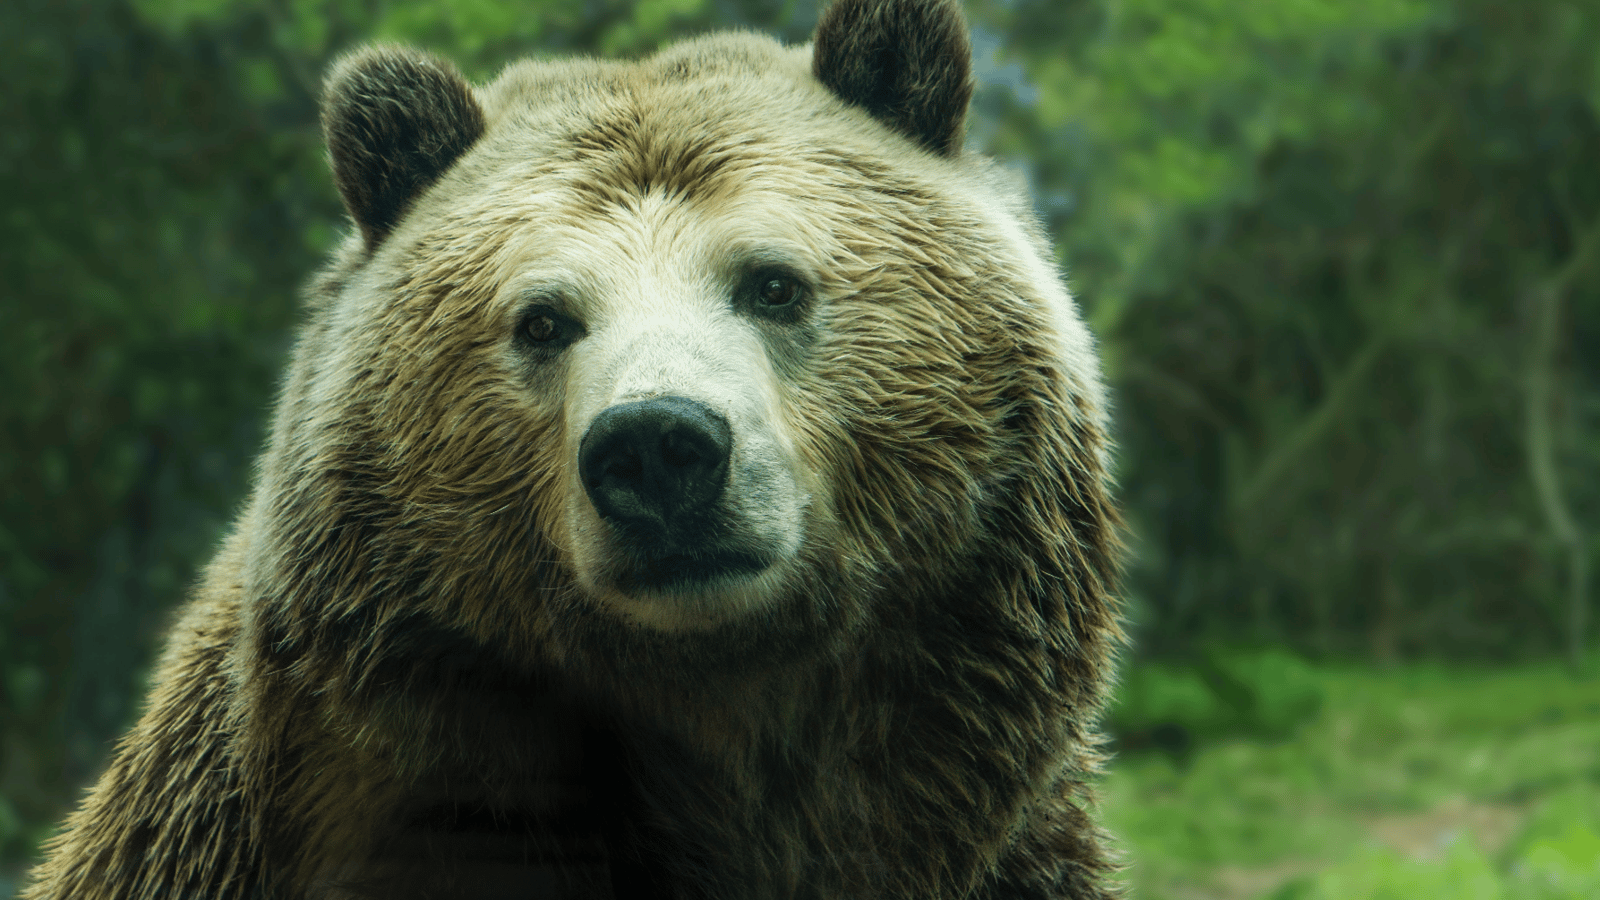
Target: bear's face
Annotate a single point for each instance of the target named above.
(662, 340)
(689, 344)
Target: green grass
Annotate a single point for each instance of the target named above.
(1418, 782)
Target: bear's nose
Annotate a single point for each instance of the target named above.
(655, 468)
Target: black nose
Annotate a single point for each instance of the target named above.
(655, 468)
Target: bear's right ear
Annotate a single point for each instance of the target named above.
(907, 62)
(395, 119)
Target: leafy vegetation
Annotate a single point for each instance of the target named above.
(1343, 258)
(1424, 781)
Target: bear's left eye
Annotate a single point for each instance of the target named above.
(779, 290)
(774, 293)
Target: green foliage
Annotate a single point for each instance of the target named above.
(1266, 693)
(158, 228)
(1558, 852)
(1321, 242)
(1563, 866)
(1381, 874)
(1426, 753)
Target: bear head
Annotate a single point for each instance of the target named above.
(716, 360)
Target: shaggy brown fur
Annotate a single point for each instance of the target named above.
(429, 663)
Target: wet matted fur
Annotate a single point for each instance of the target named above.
(860, 655)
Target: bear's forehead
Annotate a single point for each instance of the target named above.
(721, 60)
(729, 110)
(719, 148)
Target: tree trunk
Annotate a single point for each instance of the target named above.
(1546, 301)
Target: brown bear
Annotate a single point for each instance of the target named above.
(690, 481)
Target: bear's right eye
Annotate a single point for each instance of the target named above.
(545, 330)
(541, 329)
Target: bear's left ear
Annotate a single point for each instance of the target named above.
(907, 62)
(395, 119)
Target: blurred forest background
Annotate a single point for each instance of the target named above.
(1343, 257)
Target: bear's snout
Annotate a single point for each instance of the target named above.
(655, 469)
(683, 488)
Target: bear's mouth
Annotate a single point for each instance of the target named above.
(679, 572)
